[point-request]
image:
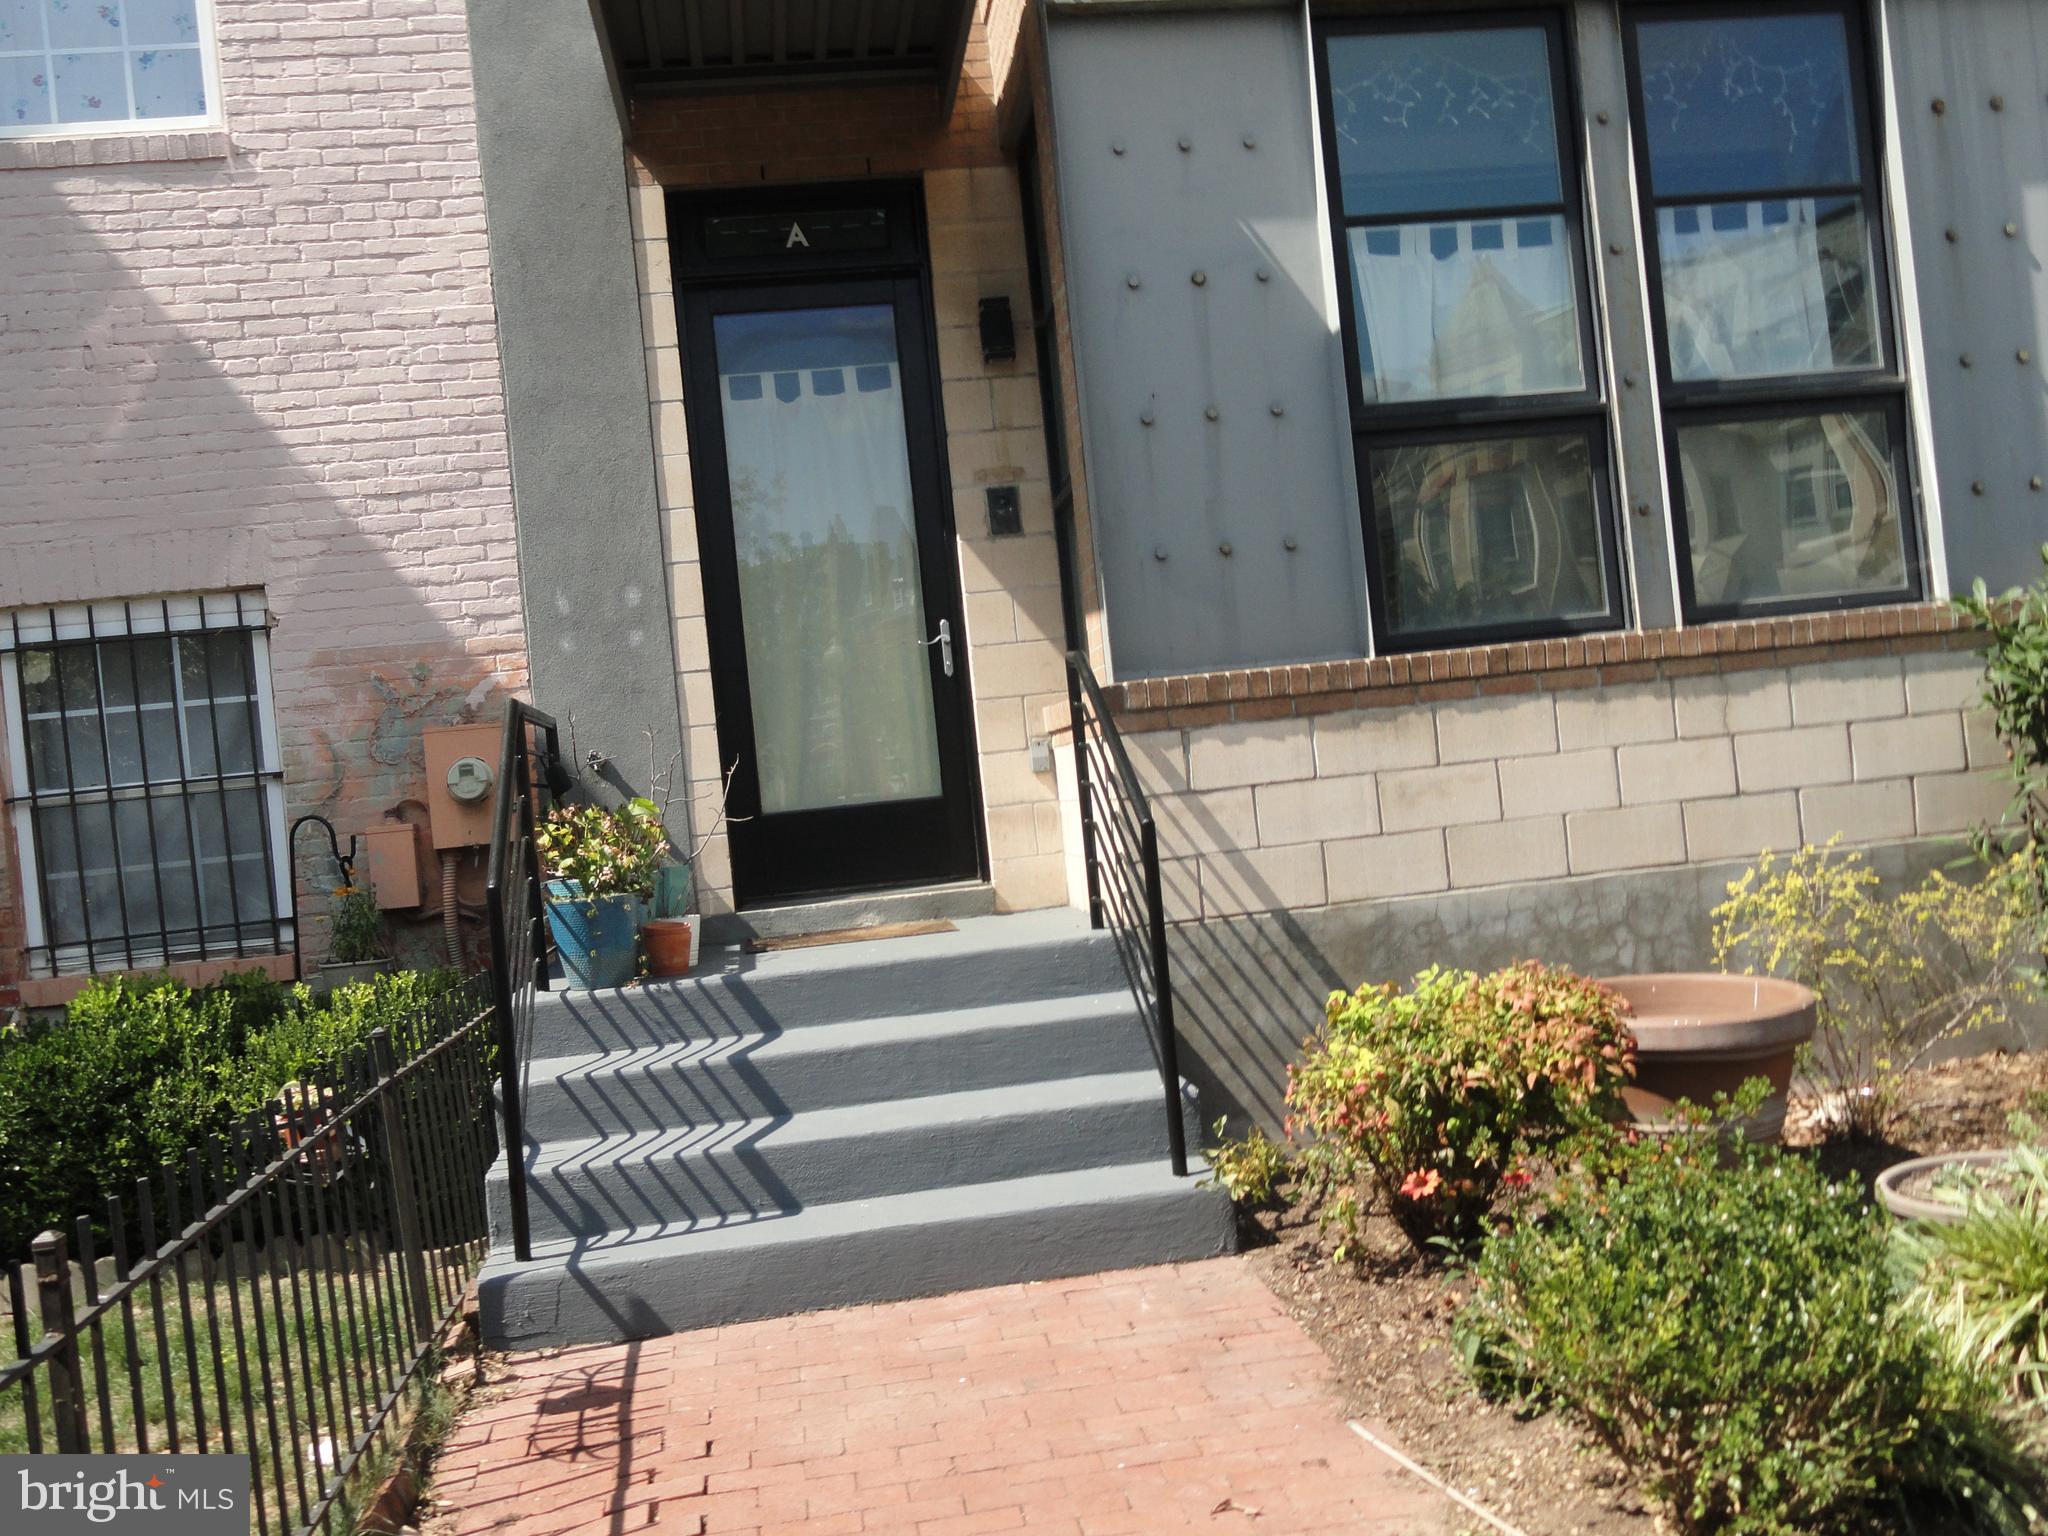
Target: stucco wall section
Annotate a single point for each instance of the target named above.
(994, 434)
(276, 366)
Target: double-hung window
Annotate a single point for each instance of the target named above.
(145, 791)
(1784, 409)
(84, 66)
(1478, 422)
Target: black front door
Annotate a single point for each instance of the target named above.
(839, 662)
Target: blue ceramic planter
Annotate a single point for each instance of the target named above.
(597, 938)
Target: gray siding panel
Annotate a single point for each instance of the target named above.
(1973, 170)
(1271, 485)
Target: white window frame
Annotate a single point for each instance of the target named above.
(190, 613)
(209, 74)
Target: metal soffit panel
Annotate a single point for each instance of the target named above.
(706, 44)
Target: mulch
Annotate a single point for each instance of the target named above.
(1383, 1317)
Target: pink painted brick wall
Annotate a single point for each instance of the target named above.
(277, 366)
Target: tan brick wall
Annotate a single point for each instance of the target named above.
(1403, 790)
(991, 413)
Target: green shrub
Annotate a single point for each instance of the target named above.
(1437, 1094)
(1983, 1281)
(608, 852)
(2016, 689)
(1249, 1168)
(1895, 976)
(141, 1068)
(1724, 1321)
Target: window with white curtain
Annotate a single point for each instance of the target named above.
(1476, 400)
(1784, 406)
(144, 784)
(84, 66)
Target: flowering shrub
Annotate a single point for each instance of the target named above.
(1895, 976)
(607, 852)
(1723, 1319)
(355, 927)
(1438, 1094)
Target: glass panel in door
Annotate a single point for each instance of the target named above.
(831, 601)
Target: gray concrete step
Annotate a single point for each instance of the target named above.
(718, 1172)
(983, 960)
(756, 1075)
(665, 1279)
(966, 898)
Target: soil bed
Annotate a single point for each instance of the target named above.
(1384, 1318)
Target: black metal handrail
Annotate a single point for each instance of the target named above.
(519, 935)
(1120, 851)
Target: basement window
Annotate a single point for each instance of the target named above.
(145, 787)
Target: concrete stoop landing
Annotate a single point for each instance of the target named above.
(850, 1123)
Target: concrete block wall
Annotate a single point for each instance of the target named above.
(991, 412)
(265, 356)
(1368, 795)
(1586, 801)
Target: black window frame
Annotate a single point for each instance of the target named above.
(1880, 386)
(1392, 425)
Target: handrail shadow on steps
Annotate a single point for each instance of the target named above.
(1120, 851)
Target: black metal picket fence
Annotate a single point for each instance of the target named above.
(277, 1292)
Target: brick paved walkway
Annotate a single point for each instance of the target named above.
(1140, 1401)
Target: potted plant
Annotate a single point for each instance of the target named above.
(667, 933)
(355, 937)
(601, 865)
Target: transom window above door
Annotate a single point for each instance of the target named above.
(81, 66)
(1475, 388)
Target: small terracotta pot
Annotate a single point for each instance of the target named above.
(1700, 1033)
(668, 945)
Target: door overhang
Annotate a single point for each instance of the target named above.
(727, 45)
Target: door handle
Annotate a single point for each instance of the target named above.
(944, 641)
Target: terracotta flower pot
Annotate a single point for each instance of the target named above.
(1700, 1033)
(667, 941)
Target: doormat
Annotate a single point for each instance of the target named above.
(847, 935)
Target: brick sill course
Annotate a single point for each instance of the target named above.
(1525, 666)
(55, 991)
(61, 153)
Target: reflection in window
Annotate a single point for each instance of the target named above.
(1747, 104)
(1784, 435)
(1760, 289)
(1478, 307)
(1756, 181)
(1796, 507)
(1489, 532)
(1428, 122)
(1453, 124)
(1459, 227)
